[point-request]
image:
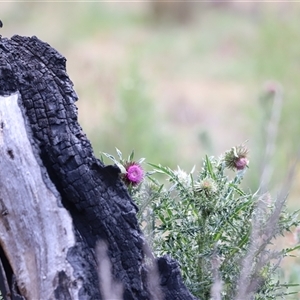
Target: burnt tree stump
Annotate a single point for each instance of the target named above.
(68, 227)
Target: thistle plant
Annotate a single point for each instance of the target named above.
(219, 233)
(203, 219)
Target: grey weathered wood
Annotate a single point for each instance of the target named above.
(36, 231)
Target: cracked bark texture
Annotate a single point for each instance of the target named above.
(96, 199)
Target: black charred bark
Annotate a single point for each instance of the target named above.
(96, 198)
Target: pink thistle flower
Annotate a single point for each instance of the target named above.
(134, 174)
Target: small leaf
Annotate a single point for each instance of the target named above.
(238, 190)
(292, 249)
(141, 160)
(210, 168)
(158, 168)
(153, 179)
(149, 173)
(119, 154)
(109, 156)
(234, 152)
(130, 158)
(101, 158)
(172, 188)
(193, 169)
(160, 188)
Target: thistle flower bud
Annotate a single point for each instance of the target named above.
(206, 186)
(236, 158)
(183, 177)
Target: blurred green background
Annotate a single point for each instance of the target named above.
(176, 81)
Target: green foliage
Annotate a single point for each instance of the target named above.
(212, 227)
(196, 225)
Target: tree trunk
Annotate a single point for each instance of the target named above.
(68, 225)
